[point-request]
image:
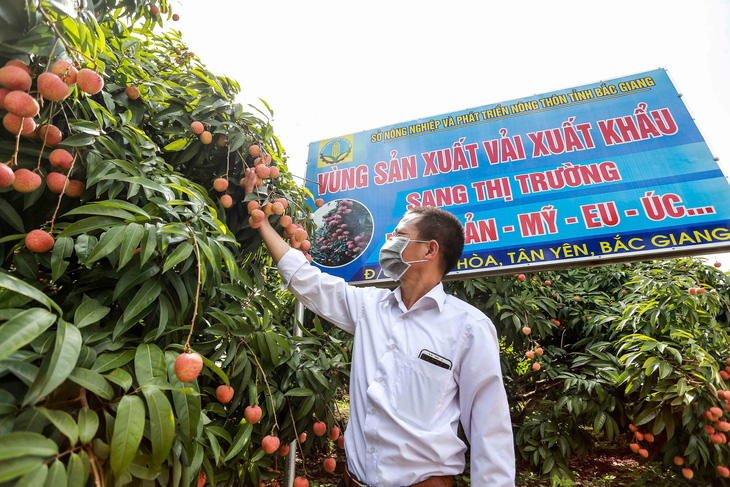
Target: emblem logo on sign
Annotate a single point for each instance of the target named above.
(335, 151)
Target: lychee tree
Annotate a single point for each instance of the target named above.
(633, 353)
(124, 259)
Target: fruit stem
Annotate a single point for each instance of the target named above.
(45, 138)
(197, 293)
(17, 143)
(63, 190)
(296, 434)
(53, 27)
(48, 64)
(271, 398)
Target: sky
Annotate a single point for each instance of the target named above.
(334, 68)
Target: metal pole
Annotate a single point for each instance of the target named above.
(291, 458)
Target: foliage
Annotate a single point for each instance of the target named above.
(144, 260)
(623, 344)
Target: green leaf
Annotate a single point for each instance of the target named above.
(177, 145)
(93, 381)
(299, 392)
(88, 424)
(62, 249)
(87, 225)
(149, 244)
(78, 140)
(23, 443)
(120, 377)
(149, 362)
(23, 328)
(18, 467)
(181, 253)
(63, 422)
(219, 372)
(242, 438)
(113, 360)
(77, 475)
(8, 213)
(57, 474)
(57, 366)
(14, 284)
(34, 478)
(162, 424)
(89, 312)
(128, 430)
(108, 243)
(101, 210)
(146, 295)
(132, 236)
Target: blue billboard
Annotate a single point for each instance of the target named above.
(615, 170)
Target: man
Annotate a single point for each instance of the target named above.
(422, 361)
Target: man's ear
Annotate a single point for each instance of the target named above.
(433, 250)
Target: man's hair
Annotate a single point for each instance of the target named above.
(440, 225)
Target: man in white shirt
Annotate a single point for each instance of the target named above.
(422, 361)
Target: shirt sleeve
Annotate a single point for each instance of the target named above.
(484, 409)
(328, 296)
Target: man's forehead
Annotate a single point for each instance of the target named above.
(407, 223)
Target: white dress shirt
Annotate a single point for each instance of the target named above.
(404, 411)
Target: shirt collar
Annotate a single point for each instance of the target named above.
(436, 295)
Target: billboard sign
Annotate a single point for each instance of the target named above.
(613, 170)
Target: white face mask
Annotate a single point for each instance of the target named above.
(391, 256)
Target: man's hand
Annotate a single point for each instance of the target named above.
(249, 180)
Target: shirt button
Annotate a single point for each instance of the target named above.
(373, 411)
(392, 346)
(380, 379)
(371, 450)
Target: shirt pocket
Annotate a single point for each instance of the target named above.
(421, 389)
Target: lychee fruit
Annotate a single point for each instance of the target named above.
(300, 235)
(206, 137)
(722, 471)
(274, 172)
(201, 479)
(717, 264)
(75, 188)
(521, 277)
(334, 433)
(155, 10)
(52, 87)
(539, 351)
(285, 221)
(61, 159)
(132, 92)
(536, 366)
(330, 464)
(187, 365)
(277, 208)
(283, 450)
(20, 64)
(175, 17)
(253, 205)
(21, 104)
(26, 181)
(55, 182)
(526, 330)
(65, 71)
(197, 128)
(51, 134)
(341, 442)
(678, 460)
(220, 184)
(301, 482)
(224, 393)
(257, 216)
(530, 354)
(270, 444)
(305, 246)
(3, 93)
(39, 241)
(15, 78)
(89, 81)
(319, 428)
(221, 141)
(635, 447)
(302, 437)
(252, 414)
(688, 473)
(226, 201)
(252, 223)
(254, 150)
(7, 176)
(644, 453)
(262, 171)
(319, 202)
(12, 124)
